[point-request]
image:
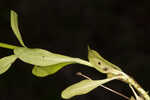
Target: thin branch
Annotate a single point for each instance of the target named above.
(118, 93)
(8, 46)
(136, 96)
(80, 74)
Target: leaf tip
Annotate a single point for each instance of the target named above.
(63, 95)
(89, 48)
(38, 72)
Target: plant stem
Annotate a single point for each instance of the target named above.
(82, 62)
(8, 46)
(132, 82)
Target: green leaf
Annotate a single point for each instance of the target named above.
(46, 63)
(83, 87)
(6, 62)
(44, 58)
(100, 63)
(47, 70)
(14, 26)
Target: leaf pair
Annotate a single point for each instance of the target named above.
(46, 63)
(6, 62)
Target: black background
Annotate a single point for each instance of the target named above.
(118, 30)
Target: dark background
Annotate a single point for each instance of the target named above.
(118, 30)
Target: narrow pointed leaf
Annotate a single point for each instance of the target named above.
(83, 87)
(14, 26)
(6, 62)
(47, 70)
(99, 62)
(42, 57)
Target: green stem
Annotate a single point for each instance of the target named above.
(132, 82)
(83, 62)
(8, 46)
